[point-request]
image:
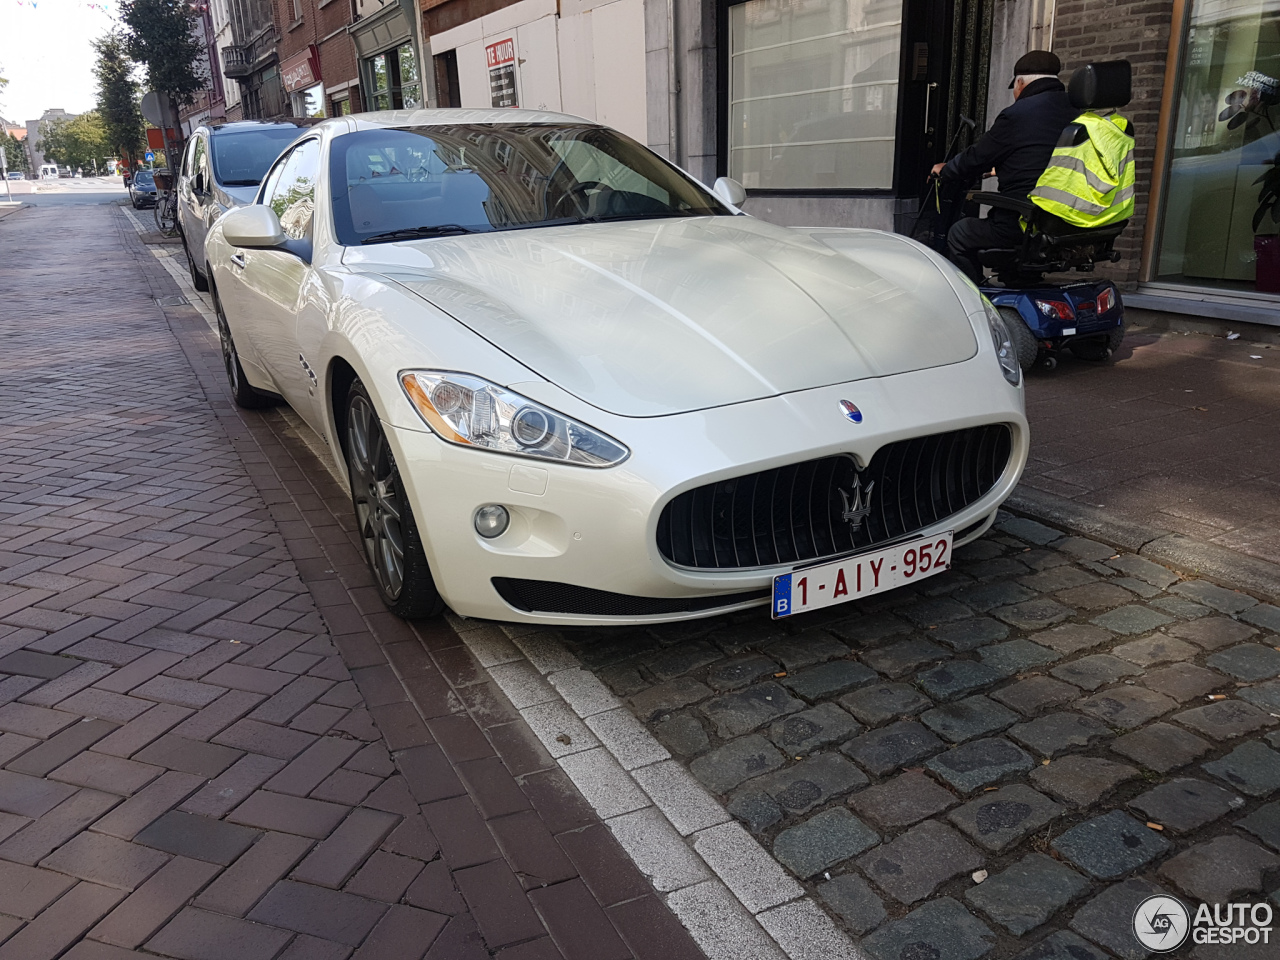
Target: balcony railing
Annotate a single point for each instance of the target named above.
(237, 61)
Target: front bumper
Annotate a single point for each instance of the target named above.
(597, 528)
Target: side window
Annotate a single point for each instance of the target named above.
(291, 190)
(197, 158)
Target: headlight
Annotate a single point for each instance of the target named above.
(472, 412)
(1005, 353)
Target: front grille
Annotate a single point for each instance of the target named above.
(547, 596)
(795, 514)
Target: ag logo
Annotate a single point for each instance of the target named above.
(1161, 923)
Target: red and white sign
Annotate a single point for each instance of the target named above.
(301, 70)
(504, 51)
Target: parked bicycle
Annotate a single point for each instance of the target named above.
(166, 209)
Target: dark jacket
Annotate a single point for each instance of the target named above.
(1020, 142)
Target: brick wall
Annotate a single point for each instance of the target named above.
(1138, 31)
(322, 24)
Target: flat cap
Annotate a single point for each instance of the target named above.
(1036, 61)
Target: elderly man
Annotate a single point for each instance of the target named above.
(1018, 145)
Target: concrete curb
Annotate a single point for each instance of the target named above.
(735, 900)
(9, 209)
(1186, 555)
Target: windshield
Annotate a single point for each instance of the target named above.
(143, 178)
(398, 184)
(241, 159)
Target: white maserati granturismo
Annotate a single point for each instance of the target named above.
(570, 384)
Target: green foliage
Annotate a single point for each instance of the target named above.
(16, 156)
(118, 97)
(161, 37)
(76, 142)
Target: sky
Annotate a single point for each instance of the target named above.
(45, 54)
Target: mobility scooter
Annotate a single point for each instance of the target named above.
(1044, 316)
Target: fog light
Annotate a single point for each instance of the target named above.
(492, 521)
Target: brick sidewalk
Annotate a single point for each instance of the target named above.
(1182, 433)
(214, 742)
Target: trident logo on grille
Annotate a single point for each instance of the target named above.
(857, 505)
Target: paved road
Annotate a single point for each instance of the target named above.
(212, 746)
(74, 192)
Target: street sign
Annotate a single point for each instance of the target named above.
(149, 156)
(153, 108)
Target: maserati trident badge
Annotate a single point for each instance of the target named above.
(856, 505)
(851, 410)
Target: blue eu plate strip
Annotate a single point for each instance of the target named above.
(782, 595)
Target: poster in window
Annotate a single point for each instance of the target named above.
(501, 59)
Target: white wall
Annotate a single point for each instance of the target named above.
(588, 61)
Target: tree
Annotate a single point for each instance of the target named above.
(76, 142)
(162, 38)
(14, 151)
(118, 97)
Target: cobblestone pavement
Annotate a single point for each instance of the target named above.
(1085, 726)
(1181, 433)
(214, 742)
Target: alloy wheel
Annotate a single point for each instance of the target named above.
(375, 487)
(229, 358)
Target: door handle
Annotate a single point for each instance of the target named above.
(928, 95)
(237, 260)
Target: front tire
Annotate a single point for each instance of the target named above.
(1025, 345)
(243, 394)
(384, 519)
(200, 283)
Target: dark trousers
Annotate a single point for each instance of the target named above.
(970, 235)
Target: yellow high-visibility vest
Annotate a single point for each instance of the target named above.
(1090, 179)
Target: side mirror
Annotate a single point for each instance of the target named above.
(252, 226)
(730, 191)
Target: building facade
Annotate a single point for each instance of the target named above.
(831, 112)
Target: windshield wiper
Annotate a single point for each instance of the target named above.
(240, 183)
(415, 233)
(666, 214)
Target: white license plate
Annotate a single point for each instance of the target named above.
(860, 576)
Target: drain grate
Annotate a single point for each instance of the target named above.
(172, 301)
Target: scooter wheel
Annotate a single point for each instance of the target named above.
(1025, 344)
(1049, 362)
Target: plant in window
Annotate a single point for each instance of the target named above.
(1267, 246)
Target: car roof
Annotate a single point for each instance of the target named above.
(244, 126)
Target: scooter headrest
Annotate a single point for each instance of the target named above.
(1101, 85)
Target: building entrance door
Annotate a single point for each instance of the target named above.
(946, 57)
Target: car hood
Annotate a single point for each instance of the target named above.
(655, 317)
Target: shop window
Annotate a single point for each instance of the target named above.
(1226, 137)
(394, 80)
(308, 102)
(813, 93)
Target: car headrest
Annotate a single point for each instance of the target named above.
(1100, 85)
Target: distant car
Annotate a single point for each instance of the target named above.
(142, 189)
(49, 171)
(221, 169)
(17, 175)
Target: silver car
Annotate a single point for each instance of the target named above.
(221, 169)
